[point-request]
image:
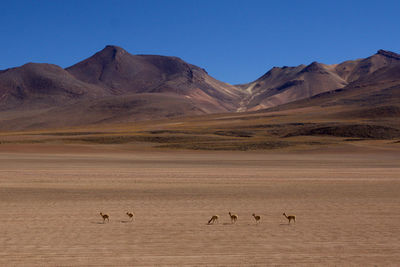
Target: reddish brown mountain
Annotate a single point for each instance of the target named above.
(122, 73)
(114, 86)
(110, 86)
(42, 86)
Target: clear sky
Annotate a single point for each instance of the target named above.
(235, 41)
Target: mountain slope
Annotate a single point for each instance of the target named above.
(374, 97)
(122, 73)
(287, 84)
(112, 85)
(356, 69)
(284, 85)
(36, 85)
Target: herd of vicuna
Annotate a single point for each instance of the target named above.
(214, 218)
(257, 218)
(107, 217)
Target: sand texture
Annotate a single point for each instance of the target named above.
(347, 208)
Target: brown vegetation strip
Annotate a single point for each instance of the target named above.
(143, 138)
(241, 146)
(356, 130)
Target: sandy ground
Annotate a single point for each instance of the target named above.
(347, 208)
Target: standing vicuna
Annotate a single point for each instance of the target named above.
(234, 217)
(290, 217)
(257, 217)
(130, 215)
(105, 216)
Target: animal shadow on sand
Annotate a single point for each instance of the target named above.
(254, 224)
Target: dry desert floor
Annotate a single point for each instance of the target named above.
(347, 207)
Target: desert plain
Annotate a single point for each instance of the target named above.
(119, 131)
(346, 201)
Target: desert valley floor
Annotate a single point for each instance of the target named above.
(347, 205)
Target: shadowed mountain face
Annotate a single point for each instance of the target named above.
(112, 85)
(284, 85)
(122, 73)
(354, 70)
(42, 85)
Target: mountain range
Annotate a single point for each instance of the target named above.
(114, 86)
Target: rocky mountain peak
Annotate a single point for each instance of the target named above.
(388, 54)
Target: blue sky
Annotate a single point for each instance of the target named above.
(235, 41)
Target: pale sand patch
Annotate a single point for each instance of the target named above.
(347, 208)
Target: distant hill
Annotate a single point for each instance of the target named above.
(374, 96)
(287, 84)
(42, 86)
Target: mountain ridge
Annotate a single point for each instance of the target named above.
(114, 85)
